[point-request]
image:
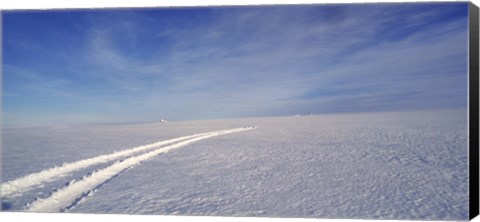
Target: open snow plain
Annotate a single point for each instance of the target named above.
(405, 165)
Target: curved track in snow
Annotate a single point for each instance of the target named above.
(16, 187)
(70, 194)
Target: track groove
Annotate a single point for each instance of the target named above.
(67, 196)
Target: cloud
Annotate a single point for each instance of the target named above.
(251, 61)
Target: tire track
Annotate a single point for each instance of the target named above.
(68, 196)
(16, 187)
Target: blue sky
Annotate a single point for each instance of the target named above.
(94, 66)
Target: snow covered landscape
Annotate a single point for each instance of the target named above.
(400, 165)
(352, 111)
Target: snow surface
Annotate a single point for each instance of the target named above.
(410, 165)
(15, 187)
(67, 196)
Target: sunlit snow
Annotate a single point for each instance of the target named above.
(403, 165)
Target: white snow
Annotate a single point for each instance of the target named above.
(404, 165)
(66, 196)
(16, 187)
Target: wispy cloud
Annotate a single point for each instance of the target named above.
(250, 61)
